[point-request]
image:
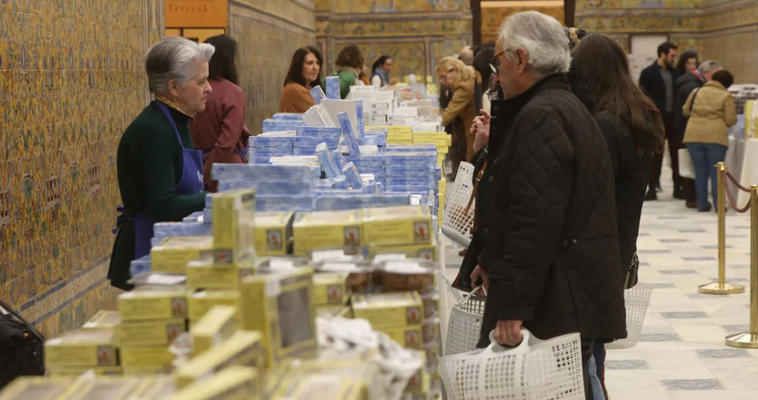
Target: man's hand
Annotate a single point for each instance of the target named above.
(480, 272)
(480, 128)
(508, 333)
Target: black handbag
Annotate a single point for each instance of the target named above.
(21, 346)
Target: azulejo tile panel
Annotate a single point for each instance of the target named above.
(71, 80)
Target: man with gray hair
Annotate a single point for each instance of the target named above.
(546, 202)
(688, 82)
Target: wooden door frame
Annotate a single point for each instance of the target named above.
(569, 7)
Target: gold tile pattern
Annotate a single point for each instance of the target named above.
(493, 18)
(71, 79)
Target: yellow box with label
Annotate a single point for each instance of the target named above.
(233, 226)
(329, 289)
(280, 305)
(76, 371)
(342, 311)
(216, 326)
(438, 139)
(150, 333)
(389, 310)
(152, 304)
(424, 251)
(327, 230)
(233, 383)
(205, 274)
(157, 357)
(273, 233)
(82, 348)
(410, 337)
(108, 387)
(39, 388)
(172, 254)
(103, 320)
(402, 225)
(199, 303)
(243, 348)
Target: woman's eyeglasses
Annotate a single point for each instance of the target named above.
(443, 77)
(495, 63)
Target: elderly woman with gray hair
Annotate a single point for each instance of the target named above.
(160, 174)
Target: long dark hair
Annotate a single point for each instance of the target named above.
(295, 74)
(681, 64)
(379, 62)
(223, 64)
(605, 67)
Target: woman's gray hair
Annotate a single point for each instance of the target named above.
(542, 38)
(173, 58)
(709, 66)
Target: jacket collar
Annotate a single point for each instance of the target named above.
(715, 84)
(511, 107)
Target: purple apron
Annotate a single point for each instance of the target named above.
(191, 182)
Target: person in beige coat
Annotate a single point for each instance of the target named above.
(712, 112)
(459, 78)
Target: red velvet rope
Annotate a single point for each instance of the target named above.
(731, 197)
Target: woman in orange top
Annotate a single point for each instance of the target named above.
(303, 75)
(220, 130)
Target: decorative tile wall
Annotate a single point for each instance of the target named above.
(71, 79)
(493, 18)
(268, 33)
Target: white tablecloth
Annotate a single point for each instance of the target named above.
(748, 172)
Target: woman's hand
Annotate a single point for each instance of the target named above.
(480, 272)
(481, 130)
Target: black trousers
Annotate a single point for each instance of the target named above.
(675, 143)
(587, 345)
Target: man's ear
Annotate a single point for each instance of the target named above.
(522, 59)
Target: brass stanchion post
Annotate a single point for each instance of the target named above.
(721, 287)
(750, 339)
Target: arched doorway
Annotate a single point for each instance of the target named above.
(489, 14)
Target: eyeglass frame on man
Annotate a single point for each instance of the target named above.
(495, 63)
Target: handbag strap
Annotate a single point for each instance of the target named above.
(31, 329)
(478, 179)
(692, 105)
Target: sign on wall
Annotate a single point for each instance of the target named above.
(197, 13)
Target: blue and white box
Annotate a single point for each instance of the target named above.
(333, 87)
(283, 141)
(373, 140)
(327, 163)
(348, 134)
(175, 229)
(263, 188)
(304, 151)
(318, 94)
(207, 215)
(410, 180)
(140, 265)
(366, 161)
(390, 170)
(193, 217)
(353, 176)
(270, 173)
(341, 183)
(320, 132)
(339, 161)
(284, 203)
(288, 116)
(255, 152)
(359, 119)
(274, 125)
(411, 159)
(259, 160)
(410, 148)
(312, 142)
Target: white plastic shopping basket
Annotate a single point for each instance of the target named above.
(459, 218)
(636, 300)
(465, 324)
(534, 370)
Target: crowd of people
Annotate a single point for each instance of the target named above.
(566, 146)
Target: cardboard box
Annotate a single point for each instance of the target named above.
(173, 254)
(273, 233)
(76, 371)
(216, 326)
(39, 388)
(233, 383)
(233, 222)
(152, 304)
(408, 336)
(157, 358)
(403, 225)
(82, 348)
(424, 252)
(155, 388)
(280, 305)
(199, 303)
(103, 320)
(207, 274)
(110, 388)
(320, 230)
(389, 310)
(330, 289)
(150, 333)
(244, 348)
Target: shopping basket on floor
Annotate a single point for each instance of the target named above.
(459, 215)
(534, 370)
(636, 300)
(465, 324)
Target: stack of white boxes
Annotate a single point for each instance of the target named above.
(378, 104)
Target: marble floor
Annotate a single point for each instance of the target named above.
(681, 353)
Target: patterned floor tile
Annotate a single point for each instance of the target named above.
(722, 353)
(692, 384)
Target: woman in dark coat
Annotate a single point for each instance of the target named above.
(633, 130)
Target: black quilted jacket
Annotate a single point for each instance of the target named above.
(548, 219)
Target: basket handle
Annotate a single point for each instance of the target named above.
(465, 298)
(495, 348)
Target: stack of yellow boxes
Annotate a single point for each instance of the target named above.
(328, 230)
(331, 294)
(233, 243)
(404, 230)
(172, 254)
(150, 320)
(78, 351)
(398, 134)
(273, 233)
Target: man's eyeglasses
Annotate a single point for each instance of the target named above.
(495, 63)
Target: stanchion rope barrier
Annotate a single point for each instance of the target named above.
(731, 197)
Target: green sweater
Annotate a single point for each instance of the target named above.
(149, 164)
